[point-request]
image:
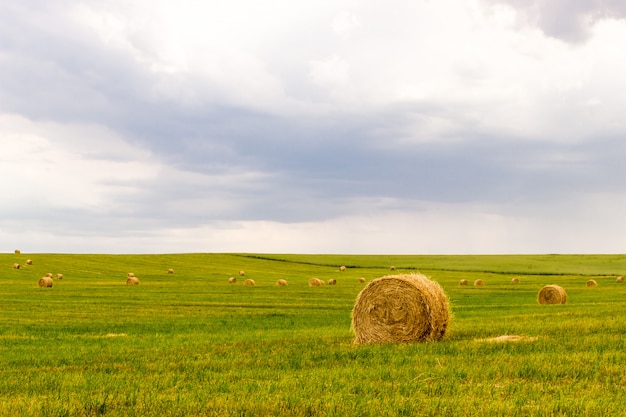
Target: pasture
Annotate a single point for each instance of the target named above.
(189, 343)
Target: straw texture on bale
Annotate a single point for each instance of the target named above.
(170, 271)
(552, 294)
(281, 283)
(29, 262)
(342, 268)
(249, 282)
(515, 281)
(332, 281)
(241, 273)
(401, 309)
(45, 282)
(132, 281)
(479, 283)
(619, 279)
(232, 280)
(59, 276)
(16, 266)
(592, 283)
(463, 282)
(315, 282)
(361, 279)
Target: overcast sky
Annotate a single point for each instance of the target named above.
(326, 126)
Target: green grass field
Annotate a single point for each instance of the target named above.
(191, 344)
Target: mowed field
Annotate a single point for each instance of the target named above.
(191, 344)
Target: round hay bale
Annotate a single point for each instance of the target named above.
(281, 283)
(392, 268)
(59, 276)
(17, 251)
(552, 294)
(16, 266)
(342, 268)
(132, 280)
(249, 282)
(49, 274)
(400, 309)
(592, 283)
(479, 283)
(170, 271)
(232, 280)
(619, 279)
(361, 280)
(45, 282)
(29, 262)
(130, 274)
(463, 282)
(515, 281)
(241, 273)
(332, 281)
(315, 282)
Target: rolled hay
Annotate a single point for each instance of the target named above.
(29, 262)
(479, 283)
(463, 282)
(241, 273)
(342, 268)
(232, 280)
(130, 274)
(515, 281)
(400, 309)
(249, 282)
(619, 279)
(281, 283)
(16, 266)
(17, 251)
(170, 271)
(132, 280)
(59, 276)
(592, 283)
(315, 282)
(45, 282)
(49, 274)
(552, 294)
(392, 268)
(361, 280)
(332, 281)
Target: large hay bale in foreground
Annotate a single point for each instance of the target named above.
(315, 282)
(132, 281)
(400, 309)
(463, 282)
(281, 283)
(619, 279)
(479, 283)
(552, 294)
(45, 282)
(249, 282)
(592, 283)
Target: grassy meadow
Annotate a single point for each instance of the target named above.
(191, 344)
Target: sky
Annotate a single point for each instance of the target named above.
(326, 126)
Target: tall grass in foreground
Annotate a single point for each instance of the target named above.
(191, 344)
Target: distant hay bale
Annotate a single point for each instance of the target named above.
(400, 309)
(17, 251)
(479, 283)
(16, 266)
(45, 282)
(130, 274)
(552, 294)
(241, 273)
(315, 282)
(170, 271)
(232, 280)
(132, 280)
(361, 280)
(515, 281)
(59, 276)
(619, 279)
(29, 262)
(592, 283)
(332, 281)
(249, 282)
(342, 268)
(392, 268)
(463, 282)
(49, 274)
(281, 283)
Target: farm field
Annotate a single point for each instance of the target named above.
(191, 344)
